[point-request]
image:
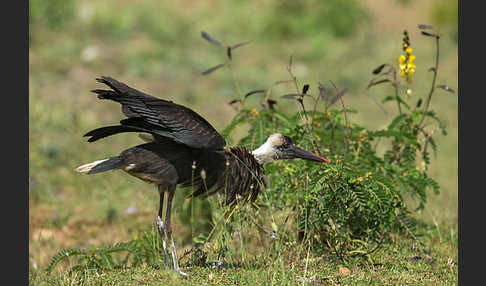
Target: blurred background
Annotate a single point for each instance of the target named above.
(156, 47)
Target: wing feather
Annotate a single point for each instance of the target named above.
(161, 117)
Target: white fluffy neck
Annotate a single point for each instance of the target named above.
(264, 153)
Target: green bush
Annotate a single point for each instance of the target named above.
(346, 207)
(351, 205)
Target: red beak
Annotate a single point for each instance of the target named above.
(306, 155)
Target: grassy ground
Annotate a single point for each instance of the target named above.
(400, 264)
(158, 49)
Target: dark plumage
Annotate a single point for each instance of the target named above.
(161, 117)
(182, 138)
(185, 151)
(242, 177)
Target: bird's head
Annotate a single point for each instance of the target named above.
(278, 147)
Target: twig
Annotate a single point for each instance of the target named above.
(306, 125)
(400, 155)
(346, 120)
(314, 112)
(396, 91)
(235, 81)
(258, 225)
(301, 101)
(333, 139)
(432, 88)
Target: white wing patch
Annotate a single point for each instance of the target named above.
(87, 167)
(129, 167)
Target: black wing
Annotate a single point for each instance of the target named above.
(153, 115)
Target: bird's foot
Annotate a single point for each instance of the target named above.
(182, 273)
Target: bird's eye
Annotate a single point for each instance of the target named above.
(282, 147)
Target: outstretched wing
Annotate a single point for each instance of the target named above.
(150, 114)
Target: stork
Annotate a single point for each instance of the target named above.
(185, 150)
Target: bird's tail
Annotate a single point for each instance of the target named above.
(101, 165)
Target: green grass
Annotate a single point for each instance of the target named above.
(401, 262)
(148, 47)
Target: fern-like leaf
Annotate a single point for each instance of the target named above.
(62, 255)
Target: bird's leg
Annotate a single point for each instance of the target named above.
(168, 228)
(160, 225)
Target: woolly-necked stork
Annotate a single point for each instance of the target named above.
(185, 150)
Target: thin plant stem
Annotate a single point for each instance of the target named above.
(396, 91)
(432, 88)
(306, 263)
(347, 128)
(314, 112)
(301, 101)
(235, 81)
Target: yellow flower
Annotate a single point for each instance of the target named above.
(254, 112)
(359, 179)
(411, 70)
(406, 64)
(401, 59)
